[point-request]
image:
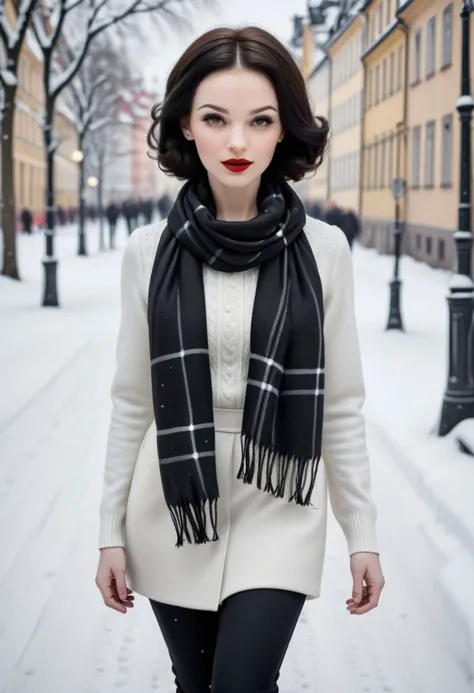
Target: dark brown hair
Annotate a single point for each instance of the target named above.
(305, 140)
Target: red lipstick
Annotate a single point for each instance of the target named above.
(237, 165)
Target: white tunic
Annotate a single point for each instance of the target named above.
(264, 541)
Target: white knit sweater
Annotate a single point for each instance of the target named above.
(229, 301)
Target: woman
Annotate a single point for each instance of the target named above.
(237, 333)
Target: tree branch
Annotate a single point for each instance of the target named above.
(5, 32)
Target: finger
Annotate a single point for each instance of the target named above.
(365, 589)
(122, 590)
(128, 602)
(112, 602)
(357, 587)
(371, 603)
(360, 598)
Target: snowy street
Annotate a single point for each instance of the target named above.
(56, 365)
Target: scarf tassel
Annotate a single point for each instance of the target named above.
(193, 518)
(294, 468)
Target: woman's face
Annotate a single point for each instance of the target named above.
(235, 116)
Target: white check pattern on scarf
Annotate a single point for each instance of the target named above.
(264, 385)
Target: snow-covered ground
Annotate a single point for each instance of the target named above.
(55, 371)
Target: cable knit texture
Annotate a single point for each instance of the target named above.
(229, 303)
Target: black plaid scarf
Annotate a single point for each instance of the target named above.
(283, 412)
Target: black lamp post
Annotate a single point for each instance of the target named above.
(458, 402)
(394, 315)
(398, 187)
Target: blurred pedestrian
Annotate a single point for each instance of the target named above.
(332, 214)
(129, 212)
(27, 220)
(61, 216)
(214, 500)
(112, 213)
(147, 211)
(164, 205)
(350, 226)
(315, 210)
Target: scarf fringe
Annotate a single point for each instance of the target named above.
(191, 521)
(301, 469)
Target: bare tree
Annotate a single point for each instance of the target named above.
(81, 21)
(11, 42)
(96, 91)
(106, 148)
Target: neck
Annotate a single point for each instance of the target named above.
(235, 204)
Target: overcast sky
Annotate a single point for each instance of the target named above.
(273, 15)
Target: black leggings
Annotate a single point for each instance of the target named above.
(238, 649)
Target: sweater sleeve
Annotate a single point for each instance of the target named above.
(132, 406)
(344, 440)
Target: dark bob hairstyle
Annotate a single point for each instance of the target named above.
(305, 140)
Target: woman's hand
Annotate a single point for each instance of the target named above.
(110, 579)
(365, 568)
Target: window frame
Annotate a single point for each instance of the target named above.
(447, 37)
(430, 154)
(431, 47)
(447, 151)
(416, 157)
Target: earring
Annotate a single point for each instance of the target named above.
(280, 139)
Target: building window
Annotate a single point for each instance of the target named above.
(447, 151)
(377, 84)
(383, 164)
(23, 201)
(368, 90)
(390, 158)
(367, 168)
(392, 73)
(429, 245)
(376, 166)
(400, 68)
(370, 167)
(416, 156)
(430, 154)
(417, 57)
(441, 249)
(431, 47)
(389, 12)
(380, 17)
(447, 36)
(384, 79)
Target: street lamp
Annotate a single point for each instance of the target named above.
(458, 402)
(92, 182)
(398, 187)
(77, 156)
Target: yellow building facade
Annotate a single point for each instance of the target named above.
(384, 132)
(29, 167)
(346, 100)
(434, 79)
(28, 146)
(66, 171)
(314, 188)
(401, 59)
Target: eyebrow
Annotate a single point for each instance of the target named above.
(223, 110)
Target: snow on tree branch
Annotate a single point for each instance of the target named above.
(98, 20)
(11, 38)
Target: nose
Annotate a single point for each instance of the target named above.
(237, 143)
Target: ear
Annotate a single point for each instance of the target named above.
(185, 129)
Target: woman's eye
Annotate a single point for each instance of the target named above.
(261, 122)
(213, 118)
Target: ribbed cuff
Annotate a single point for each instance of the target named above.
(361, 534)
(111, 531)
